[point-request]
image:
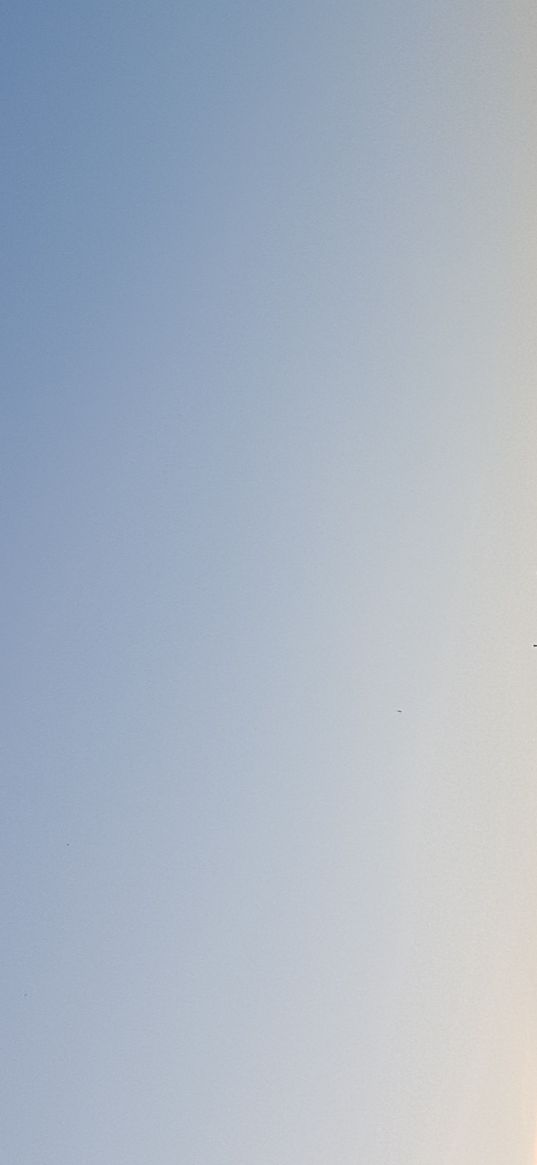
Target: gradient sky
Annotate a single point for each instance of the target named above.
(268, 476)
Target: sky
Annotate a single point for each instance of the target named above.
(268, 807)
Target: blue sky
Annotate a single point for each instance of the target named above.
(267, 478)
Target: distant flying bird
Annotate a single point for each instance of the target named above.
(400, 709)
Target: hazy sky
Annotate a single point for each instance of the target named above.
(267, 460)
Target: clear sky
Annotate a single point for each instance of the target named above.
(268, 476)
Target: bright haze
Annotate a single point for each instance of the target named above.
(268, 484)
